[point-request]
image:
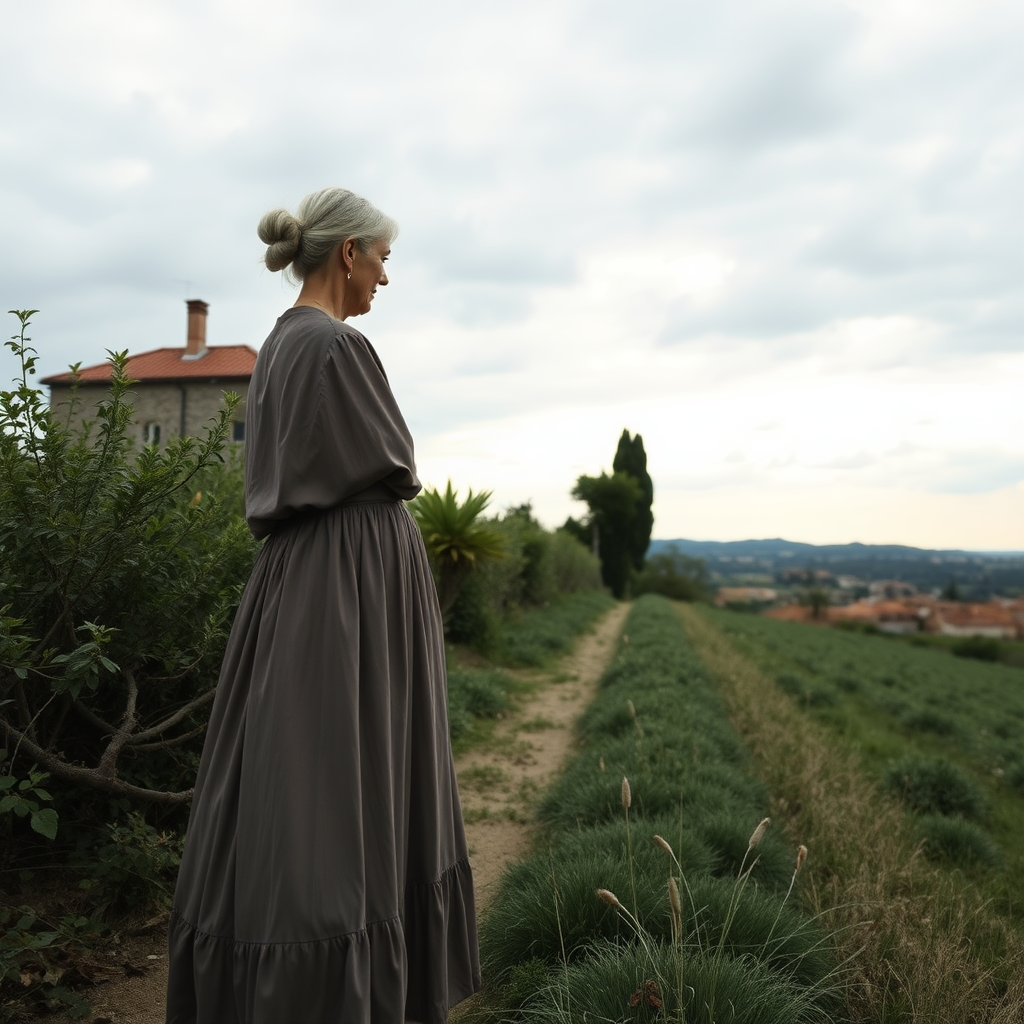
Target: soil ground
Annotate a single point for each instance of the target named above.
(499, 786)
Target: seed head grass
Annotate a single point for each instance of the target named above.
(714, 991)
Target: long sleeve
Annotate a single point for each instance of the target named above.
(322, 423)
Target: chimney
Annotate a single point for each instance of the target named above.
(195, 345)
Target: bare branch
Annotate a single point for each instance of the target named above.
(108, 762)
(91, 777)
(93, 719)
(174, 741)
(182, 713)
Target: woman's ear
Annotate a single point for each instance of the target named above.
(348, 254)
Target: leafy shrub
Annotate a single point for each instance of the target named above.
(536, 568)
(1015, 776)
(540, 634)
(120, 580)
(472, 620)
(475, 693)
(674, 575)
(573, 566)
(791, 684)
(34, 960)
(122, 568)
(807, 694)
(982, 648)
(456, 537)
(925, 720)
(955, 840)
(935, 786)
(132, 866)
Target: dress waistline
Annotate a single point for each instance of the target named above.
(376, 494)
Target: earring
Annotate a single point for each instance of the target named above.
(350, 275)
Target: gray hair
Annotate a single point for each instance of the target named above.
(325, 219)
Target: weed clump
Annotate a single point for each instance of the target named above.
(475, 693)
(543, 633)
(954, 840)
(926, 720)
(982, 648)
(933, 785)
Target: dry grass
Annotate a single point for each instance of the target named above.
(925, 947)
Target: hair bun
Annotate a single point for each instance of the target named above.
(282, 234)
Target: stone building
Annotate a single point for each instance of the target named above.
(178, 390)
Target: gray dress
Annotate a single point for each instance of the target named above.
(325, 878)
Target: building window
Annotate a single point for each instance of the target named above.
(151, 433)
(238, 430)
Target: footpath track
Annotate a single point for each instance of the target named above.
(499, 786)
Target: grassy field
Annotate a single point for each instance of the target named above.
(891, 759)
(943, 734)
(700, 924)
(653, 894)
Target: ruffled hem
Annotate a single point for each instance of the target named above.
(413, 967)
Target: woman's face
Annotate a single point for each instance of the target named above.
(368, 274)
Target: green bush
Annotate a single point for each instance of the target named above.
(475, 693)
(535, 637)
(791, 684)
(1015, 776)
(954, 840)
(472, 620)
(573, 566)
(672, 574)
(120, 580)
(935, 786)
(132, 866)
(982, 648)
(34, 955)
(537, 568)
(926, 720)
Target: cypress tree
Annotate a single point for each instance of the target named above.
(630, 458)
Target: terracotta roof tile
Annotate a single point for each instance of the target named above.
(980, 615)
(220, 361)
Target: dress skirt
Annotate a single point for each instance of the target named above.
(325, 878)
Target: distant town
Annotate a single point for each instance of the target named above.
(891, 588)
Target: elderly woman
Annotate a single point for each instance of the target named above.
(325, 878)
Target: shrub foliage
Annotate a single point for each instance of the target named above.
(118, 583)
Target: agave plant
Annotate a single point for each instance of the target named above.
(456, 538)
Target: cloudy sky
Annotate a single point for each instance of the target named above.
(782, 239)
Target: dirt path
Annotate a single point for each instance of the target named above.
(499, 787)
(500, 784)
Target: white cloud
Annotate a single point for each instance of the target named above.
(780, 239)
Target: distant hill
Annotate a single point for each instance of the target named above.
(976, 574)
